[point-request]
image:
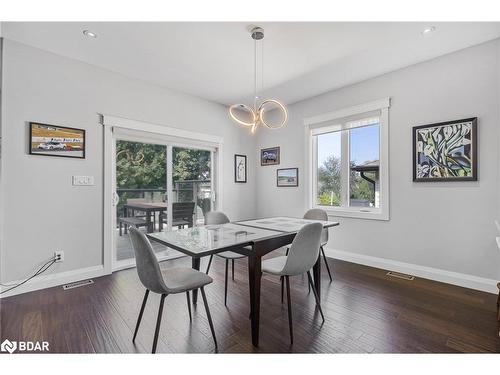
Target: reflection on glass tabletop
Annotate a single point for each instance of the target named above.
(206, 238)
(284, 224)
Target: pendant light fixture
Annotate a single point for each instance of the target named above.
(256, 113)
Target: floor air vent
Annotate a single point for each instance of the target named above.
(77, 284)
(401, 276)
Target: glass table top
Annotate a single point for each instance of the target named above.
(284, 224)
(208, 238)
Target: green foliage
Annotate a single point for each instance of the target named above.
(143, 166)
(329, 183)
(190, 164)
(140, 165)
(329, 199)
(362, 189)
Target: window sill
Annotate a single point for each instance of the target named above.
(356, 213)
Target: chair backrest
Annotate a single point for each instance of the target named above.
(318, 214)
(146, 262)
(304, 250)
(216, 218)
(182, 210)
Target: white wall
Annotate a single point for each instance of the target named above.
(448, 226)
(41, 210)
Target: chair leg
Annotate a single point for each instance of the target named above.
(209, 263)
(158, 322)
(315, 294)
(225, 283)
(120, 230)
(189, 305)
(232, 268)
(208, 315)
(290, 324)
(282, 287)
(498, 303)
(326, 263)
(139, 318)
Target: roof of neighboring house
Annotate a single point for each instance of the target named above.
(369, 166)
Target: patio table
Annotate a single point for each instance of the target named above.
(149, 209)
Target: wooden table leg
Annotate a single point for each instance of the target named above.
(149, 225)
(317, 276)
(254, 278)
(195, 263)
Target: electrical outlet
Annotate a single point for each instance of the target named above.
(59, 256)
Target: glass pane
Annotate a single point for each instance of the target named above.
(191, 186)
(141, 177)
(329, 170)
(364, 156)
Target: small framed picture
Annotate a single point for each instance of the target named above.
(445, 151)
(288, 177)
(52, 140)
(240, 168)
(270, 156)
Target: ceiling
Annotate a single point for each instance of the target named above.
(215, 60)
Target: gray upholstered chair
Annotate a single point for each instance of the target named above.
(170, 281)
(497, 224)
(217, 218)
(302, 256)
(315, 214)
(319, 214)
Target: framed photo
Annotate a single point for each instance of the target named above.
(288, 177)
(240, 168)
(446, 151)
(270, 156)
(52, 140)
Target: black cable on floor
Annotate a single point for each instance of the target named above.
(41, 270)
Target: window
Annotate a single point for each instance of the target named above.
(348, 161)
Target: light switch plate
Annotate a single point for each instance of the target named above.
(83, 180)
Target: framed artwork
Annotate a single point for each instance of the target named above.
(288, 177)
(270, 156)
(52, 140)
(240, 168)
(446, 151)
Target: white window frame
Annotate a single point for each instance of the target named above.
(313, 127)
(152, 133)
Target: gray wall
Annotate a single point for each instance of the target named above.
(447, 226)
(41, 211)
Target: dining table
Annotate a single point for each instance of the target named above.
(253, 238)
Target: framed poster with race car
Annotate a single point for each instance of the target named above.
(52, 140)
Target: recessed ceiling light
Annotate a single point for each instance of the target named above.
(89, 33)
(428, 30)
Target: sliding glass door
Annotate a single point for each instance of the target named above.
(141, 192)
(159, 186)
(191, 186)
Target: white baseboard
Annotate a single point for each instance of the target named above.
(51, 280)
(436, 274)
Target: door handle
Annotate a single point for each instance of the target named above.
(115, 199)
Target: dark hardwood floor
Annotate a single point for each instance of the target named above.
(365, 311)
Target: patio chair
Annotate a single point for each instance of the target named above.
(182, 214)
